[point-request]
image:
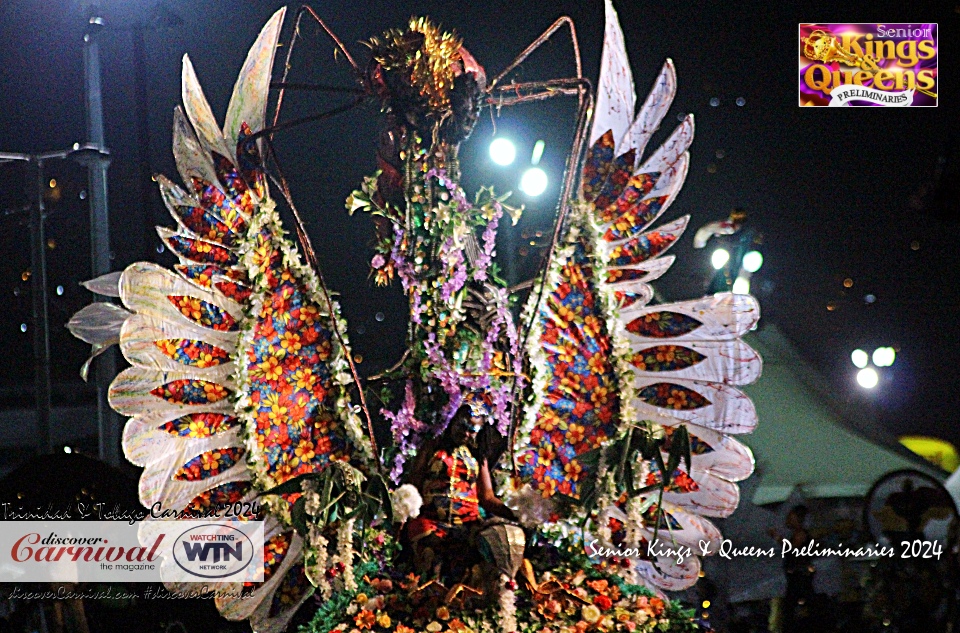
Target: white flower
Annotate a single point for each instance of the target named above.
(406, 502)
(531, 508)
(590, 613)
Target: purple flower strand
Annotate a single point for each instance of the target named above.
(407, 431)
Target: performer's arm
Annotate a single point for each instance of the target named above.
(488, 500)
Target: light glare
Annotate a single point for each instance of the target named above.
(859, 358)
(502, 151)
(533, 182)
(884, 356)
(719, 258)
(868, 378)
(752, 261)
(741, 286)
(537, 152)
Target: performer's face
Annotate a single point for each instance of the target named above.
(465, 431)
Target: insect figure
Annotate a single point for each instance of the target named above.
(511, 449)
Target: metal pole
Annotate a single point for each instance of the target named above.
(144, 182)
(41, 321)
(106, 364)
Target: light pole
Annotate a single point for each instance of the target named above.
(97, 159)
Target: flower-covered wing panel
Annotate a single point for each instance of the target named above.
(698, 491)
(719, 317)
(712, 451)
(578, 410)
(644, 247)
(294, 365)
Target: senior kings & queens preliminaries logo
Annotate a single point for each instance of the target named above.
(868, 65)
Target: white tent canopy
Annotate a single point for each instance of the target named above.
(810, 438)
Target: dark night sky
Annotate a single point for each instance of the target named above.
(835, 193)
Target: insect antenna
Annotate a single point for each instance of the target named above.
(307, 10)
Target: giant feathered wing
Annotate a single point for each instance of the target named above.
(603, 359)
(237, 377)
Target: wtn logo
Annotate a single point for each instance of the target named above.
(221, 551)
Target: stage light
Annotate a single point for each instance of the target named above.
(533, 182)
(719, 258)
(502, 151)
(752, 261)
(741, 286)
(868, 378)
(859, 358)
(884, 356)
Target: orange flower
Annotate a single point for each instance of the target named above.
(270, 368)
(547, 487)
(291, 342)
(573, 470)
(305, 379)
(575, 434)
(365, 619)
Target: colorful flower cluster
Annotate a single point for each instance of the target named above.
(292, 374)
(222, 495)
(642, 248)
(576, 597)
(666, 358)
(670, 396)
(204, 313)
(201, 251)
(635, 218)
(205, 224)
(231, 210)
(199, 425)
(274, 551)
(605, 176)
(636, 188)
(192, 353)
(663, 325)
(209, 464)
(190, 392)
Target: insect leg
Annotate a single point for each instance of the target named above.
(564, 21)
(306, 9)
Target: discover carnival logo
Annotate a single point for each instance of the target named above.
(116, 551)
(868, 65)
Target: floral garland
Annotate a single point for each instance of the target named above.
(407, 431)
(584, 597)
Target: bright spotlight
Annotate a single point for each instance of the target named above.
(752, 261)
(868, 378)
(502, 151)
(859, 358)
(884, 356)
(719, 258)
(741, 286)
(67, 450)
(533, 182)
